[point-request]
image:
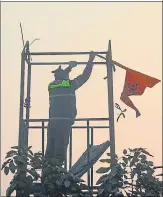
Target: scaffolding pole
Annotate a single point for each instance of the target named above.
(63, 63)
(21, 109)
(110, 101)
(65, 53)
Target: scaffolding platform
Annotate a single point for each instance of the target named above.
(93, 152)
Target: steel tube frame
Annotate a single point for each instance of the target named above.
(73, 127)
(21, 109)
(70, 151)
(28, 90)
(26, 57)
(92, 166)
(88, 154)
(62, 63)
(43, 136)
(65, 53)
(77, 119)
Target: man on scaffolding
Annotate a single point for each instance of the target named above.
(62, 109)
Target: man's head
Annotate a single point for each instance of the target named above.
(61, 74)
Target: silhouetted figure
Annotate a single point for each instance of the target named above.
(62, 109)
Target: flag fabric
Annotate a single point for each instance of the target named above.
(135, 84)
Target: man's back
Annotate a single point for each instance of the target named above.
(62, 101)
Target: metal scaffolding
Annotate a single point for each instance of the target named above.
(24, 117)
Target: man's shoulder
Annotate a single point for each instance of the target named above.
(55, 82)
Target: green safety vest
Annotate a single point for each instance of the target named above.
(64, 83)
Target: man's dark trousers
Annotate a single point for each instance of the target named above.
(58, 133)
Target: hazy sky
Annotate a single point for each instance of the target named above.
(135, 32)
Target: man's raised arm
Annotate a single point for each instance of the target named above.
(81, 79)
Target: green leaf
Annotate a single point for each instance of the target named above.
(113, 67)
(124, 151)
(103, 170)
(46, 171)
(125, 176)
(144, 151)
(108, 187)
(33, 173)
(123, 164)
(67, 183)
(20, 159)
(29, 156)
(11, 153)
(105, 160)
(10, 189)
(38, 154)
(100, 191)
(12, 167)
(114, 180)
(135, 150)
(123, 115)
(143, 157)
(132, 174)
(14, 147)
(112, 155)
(125, 182)
(6, 170)
(30, 152)
(114, 170)
(29, 147)
(150, 163)
(125, 160)
(29, 179)
(76, 178)
(102, 179)
(5, 163)
(133, 162)
(118, 117)
(59, 182)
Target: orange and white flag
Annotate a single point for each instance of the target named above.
(135, 84)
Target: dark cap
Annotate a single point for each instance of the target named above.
(60, 73)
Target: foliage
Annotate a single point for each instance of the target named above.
(23, 165)
(132, 174)
(57, 182)
(121, 111)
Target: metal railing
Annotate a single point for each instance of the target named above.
(90, 139)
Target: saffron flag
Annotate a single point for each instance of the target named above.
(135, 84)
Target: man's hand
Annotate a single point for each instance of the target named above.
(72, 64)
(92, 56)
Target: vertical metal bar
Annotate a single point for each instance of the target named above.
(43, 136)
(28, 92)
(65, 162)
(21, 109)
(110, 100)
(88, 152)
(92, 166)
(70, 151)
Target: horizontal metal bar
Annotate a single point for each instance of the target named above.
(65, 53)
(77, 119)
(74, 127)
(62, 63)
